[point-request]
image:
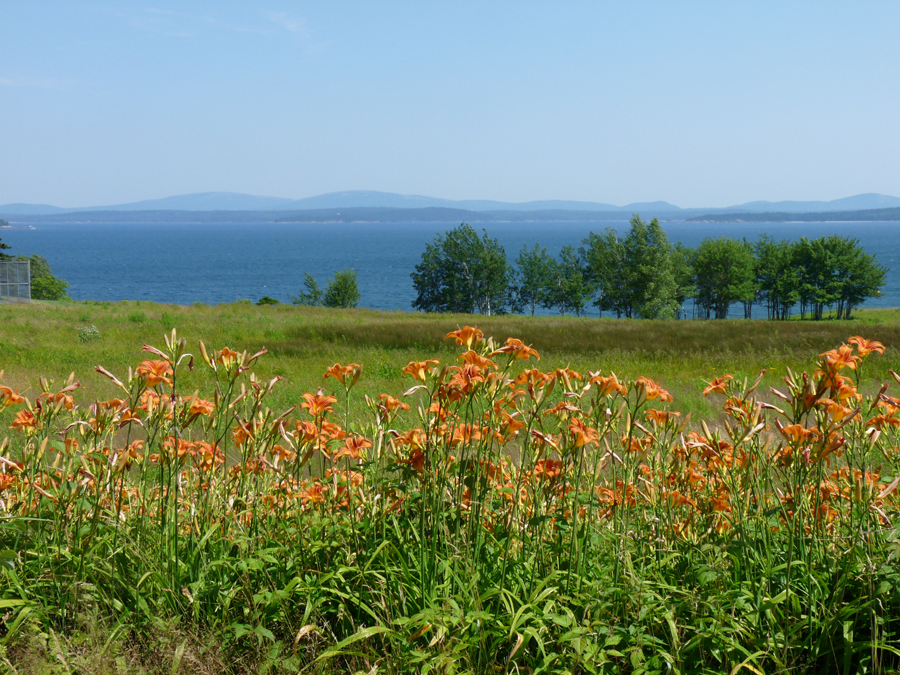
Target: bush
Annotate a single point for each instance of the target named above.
(266, 300)
(88, 334)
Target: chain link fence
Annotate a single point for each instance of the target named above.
(15, 281)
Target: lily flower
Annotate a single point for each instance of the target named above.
(340, 373)
(317, 404)
(841, 357)
(652, 390)
(717, 386)
(517, 349)
(865, 347)
(467, 335)
(418, 369)
(352, 448)
(607, 385)
(155, 372)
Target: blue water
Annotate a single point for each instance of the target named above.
(216, 263)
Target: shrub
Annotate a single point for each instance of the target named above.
(88, 334)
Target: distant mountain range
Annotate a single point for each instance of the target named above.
(233, 201)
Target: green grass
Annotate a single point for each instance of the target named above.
(43, 339)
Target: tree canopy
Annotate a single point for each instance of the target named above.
(462, 272)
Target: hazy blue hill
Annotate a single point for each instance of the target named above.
(201, 201)
(861, 202)
(28, 209)
(656, 207)
(218, 202)
(363, 199)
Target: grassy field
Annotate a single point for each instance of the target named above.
(496, 519)
(51, 340)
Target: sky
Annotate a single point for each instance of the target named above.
(699, 104)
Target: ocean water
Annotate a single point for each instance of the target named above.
(217, 263)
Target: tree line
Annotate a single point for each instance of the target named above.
(640, 274)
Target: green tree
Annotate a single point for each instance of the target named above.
(604, 261)
(569, 287)
(859, 274)
(533, 270)
(342, 291)
(311, 293)
(723, 275)
(462, 272)
(44, 286)
(49, 288)
(635, 275)
(777, 276)
(834, 271)
(649, 271)
(4, 256)
(683, 271)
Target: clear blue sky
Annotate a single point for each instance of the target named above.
(700, 104)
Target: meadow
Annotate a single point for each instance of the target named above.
(375, 492)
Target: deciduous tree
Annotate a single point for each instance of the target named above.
(462, 272)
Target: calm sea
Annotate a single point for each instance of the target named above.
(216, 263)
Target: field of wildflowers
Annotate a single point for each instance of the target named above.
(492, 517)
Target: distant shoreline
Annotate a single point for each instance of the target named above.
(891, 215)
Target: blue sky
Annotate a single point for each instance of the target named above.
(700, 104)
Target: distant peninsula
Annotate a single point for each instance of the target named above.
(883, 215)
(342, 215)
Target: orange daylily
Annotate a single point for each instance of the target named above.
(388, 405)
(652, 390)
(583, 434)
(837, 411)
(517, 349)
(607, 385)
(9, 397)
(717, 386)
(352, 448)
(661, 416)
(227, 356)
(414, 438)
(467, 335)
(797, 432)
(472, 358)
(314, 492)
(339, 372)
(317, 404)
(418, 369)
(25, 421)
(841, 357)
(199, 406)
(155, 372)
(306, 431)
(533, 376)
(548, 469)
(865, 347)
(61, 399)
